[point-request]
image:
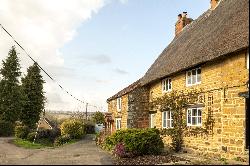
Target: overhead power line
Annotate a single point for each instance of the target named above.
(61, 87)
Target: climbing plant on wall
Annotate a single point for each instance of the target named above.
(176, 102)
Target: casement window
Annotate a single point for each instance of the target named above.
(118, 123)
(152, 120)
(247, 59)
(167, 119)
(193, 77)
(166, 85)
(194, 117)
(119, 104)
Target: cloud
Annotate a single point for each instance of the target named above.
(103, 81)
(97, 59)
(124, 1)
(120, 71)
(42, 27)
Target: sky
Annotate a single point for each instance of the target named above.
(93, 48)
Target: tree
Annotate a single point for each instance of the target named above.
(34, 100)
(10, 103)
(99, 118)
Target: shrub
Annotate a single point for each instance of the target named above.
(74, 127)
(21, 132)
(49, 133)
(120, 150)
(62, 140)
(137, 141)
(31, 136)
(6, 128)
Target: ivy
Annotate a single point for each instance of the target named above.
(176, 102)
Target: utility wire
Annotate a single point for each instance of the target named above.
(61, 87)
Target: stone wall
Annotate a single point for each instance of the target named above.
(222, 80)
(138, 114)
(123, 113)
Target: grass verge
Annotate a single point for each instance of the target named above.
(27, 144)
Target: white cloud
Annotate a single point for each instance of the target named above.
(120, 71)
(124, 1)
(42, 27)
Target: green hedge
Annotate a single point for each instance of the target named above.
(49, 133)
(136, 141)
(74, 127)
(21, 132)
(31, 136)
(62, 140)
(6, 128)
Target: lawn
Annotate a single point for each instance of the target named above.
(41, 143)
(27, 144)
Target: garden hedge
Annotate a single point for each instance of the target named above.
(136, 141)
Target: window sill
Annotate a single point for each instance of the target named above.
(166, 91)
(167, 127)
(194, 125)
(189, 85)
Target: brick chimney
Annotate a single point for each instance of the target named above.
(182, 21)
(214, 3)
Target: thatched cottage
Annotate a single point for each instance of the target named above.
(210, 53)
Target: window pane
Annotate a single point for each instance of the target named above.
(164, 123)
(189, 116)
(199, 120)
(168, 114)
(171, 123)
(189, 119)
(194, 120)
(194, 112)
(163, 85)
(193, 76)
(169, 84)
(164, 115)
(168, 123)
(199, 112)
(189, 77)
(198, 75)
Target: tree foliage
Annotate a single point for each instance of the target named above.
(33, 96)
(99, 118)
(10, 96)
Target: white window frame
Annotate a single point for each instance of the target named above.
(196, 76)
(170, 119)
(118, 123)
(166, 86)
(152, 120)
(191, 117)
(119, 104)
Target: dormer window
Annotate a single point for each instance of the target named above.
(166, 85)
(193, 77)
(119, 104)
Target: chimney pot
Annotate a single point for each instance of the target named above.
(182, 22)
(179, 16)
(214, 3)
(184, 14)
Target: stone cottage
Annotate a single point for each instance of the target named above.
(210, 53)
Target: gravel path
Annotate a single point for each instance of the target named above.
(84, 152)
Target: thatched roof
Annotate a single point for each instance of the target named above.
(215, 33)
(125, 90)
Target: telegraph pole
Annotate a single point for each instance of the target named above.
(87, 111)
